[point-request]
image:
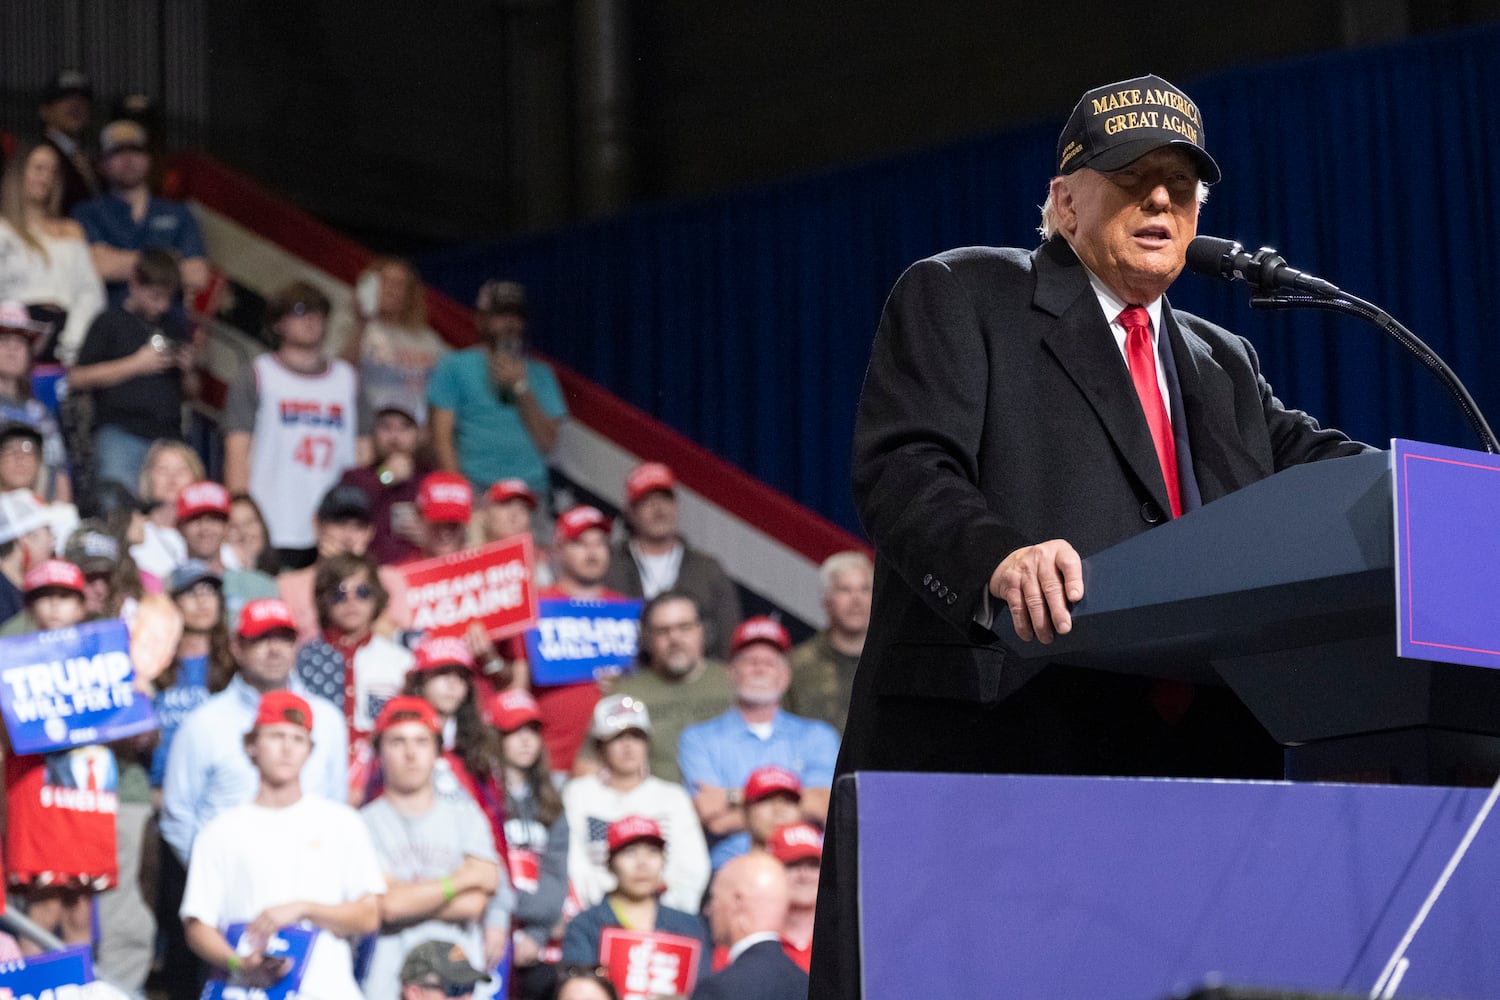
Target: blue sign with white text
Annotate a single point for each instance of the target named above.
(71, 687)
(56, 973)
(294, 943)
(578, 641)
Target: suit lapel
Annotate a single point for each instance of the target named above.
(1221, 464)
(1081, 342)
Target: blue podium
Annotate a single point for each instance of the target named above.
(1137, 889)
(1286, 591)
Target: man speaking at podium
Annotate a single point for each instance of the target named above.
(1023, 409)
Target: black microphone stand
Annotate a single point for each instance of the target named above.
(1340, 301)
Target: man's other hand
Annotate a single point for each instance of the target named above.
(1038, 583)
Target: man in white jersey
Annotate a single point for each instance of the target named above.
(283, 859)
(293, 423)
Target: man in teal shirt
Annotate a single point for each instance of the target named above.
(495, 413)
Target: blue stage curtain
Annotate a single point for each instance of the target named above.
(745, 321)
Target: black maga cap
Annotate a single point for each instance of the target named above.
(1118, 123)
(344, 503)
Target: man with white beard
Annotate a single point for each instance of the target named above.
(717, 756)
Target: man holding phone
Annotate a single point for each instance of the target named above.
(139, 363)
(495, 413)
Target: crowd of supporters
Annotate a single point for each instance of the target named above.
(423, 801)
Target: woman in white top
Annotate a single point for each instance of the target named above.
(390, 342)
(44, 258)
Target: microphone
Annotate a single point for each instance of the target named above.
(1265, 269)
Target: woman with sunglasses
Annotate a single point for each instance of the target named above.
(348, 663)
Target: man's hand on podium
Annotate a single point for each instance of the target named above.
(1038, 583)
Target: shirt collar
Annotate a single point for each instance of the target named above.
(1112, 305)
(251, 697)
(749, 941)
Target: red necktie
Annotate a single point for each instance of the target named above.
(1141, 358)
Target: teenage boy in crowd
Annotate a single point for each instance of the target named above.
(281, 859)
(137, 359)
(437, 851)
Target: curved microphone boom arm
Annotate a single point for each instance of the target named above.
(1275, 285)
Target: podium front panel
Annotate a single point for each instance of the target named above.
(1134, 889)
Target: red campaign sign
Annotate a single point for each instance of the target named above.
(644, 965)
(491, 584)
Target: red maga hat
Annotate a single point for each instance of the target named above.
(572, 525)
(407, 708)
(795, 842)
(759, 629)
(443, 651)
(283, 706)
(53, 573)
(445, 496)
(265, 614)
(205, 497)
(633, 829)
(514, 708)
(511, 489)
(646, 478)
(771, 780)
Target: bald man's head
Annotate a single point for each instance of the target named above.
(749, 897)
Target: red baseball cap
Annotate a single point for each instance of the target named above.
(572, 525)
(442, 651)
(513, 708)
(283, 706)
(648, 477)
(632, 829)
(205, 497)
(53, 573)
(795, 842)
(759, 629)
(445, 496)
(265, 614)
(511, 489)
(771, 780)
(407, 708)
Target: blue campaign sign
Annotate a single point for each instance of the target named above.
(577, 641)
(293, 942)
(71, 687)
(1447, 553)
(57, 973)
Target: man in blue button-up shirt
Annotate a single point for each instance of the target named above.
(717, 756)
(129, 218)
(207, 769)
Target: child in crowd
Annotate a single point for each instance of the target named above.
(60, 807)
(637, 858)
(49, 459)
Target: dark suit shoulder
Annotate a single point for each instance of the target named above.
(1211, 333)
(967, 258)
(763, 972)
